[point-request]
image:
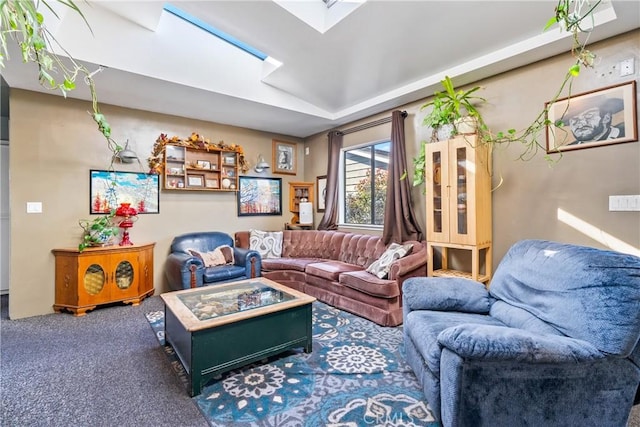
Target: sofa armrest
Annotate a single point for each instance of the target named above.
(414, 264)
(178, 270)
(250, 259)
(445, 294)
(502, 343)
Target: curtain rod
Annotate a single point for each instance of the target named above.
(369, 125)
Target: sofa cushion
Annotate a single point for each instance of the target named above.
(219, 256)
(330, 270)
(382, 265)
(297, 264)
(364, 282)
(267, 243)
(223, 273)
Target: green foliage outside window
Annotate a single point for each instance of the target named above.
(358, 206)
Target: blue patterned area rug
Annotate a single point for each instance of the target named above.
(356, 376)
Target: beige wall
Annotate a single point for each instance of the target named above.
(534, 194)
(54, 144)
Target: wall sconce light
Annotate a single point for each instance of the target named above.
(126, 155)
(261, 165)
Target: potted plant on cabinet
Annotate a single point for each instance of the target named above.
(455, 108)
(100, 231)
(453, 112)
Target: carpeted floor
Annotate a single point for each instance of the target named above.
(107, 369)
(355, 376)
(103, 369)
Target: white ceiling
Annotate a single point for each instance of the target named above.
(383, 54)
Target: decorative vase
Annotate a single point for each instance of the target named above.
(466, 125)
(444, 132)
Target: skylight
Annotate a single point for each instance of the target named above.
(320, 15)
(329, 3)
(214, 31)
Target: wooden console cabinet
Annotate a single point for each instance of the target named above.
(458, 182)
(102, 275)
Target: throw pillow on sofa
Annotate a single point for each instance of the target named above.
(382, 266)
(219, 256)
(267, 243)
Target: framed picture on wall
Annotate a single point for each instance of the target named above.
(107, 189)
(593, 119)
(284, 157)
(322, 192)
(259, 196)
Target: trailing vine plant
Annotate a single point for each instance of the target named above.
(22, 23)
(575, 16)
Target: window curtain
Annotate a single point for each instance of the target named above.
(400, 222)
(330, 219)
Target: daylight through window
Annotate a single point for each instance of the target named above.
(365, 183)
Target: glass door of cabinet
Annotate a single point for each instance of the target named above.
(438, 190)
(464, 166)
(459, 202)
(124, 275)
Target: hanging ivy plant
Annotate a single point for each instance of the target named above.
(21, 22)
(575, 16)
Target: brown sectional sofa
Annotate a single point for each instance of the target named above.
(331, 266)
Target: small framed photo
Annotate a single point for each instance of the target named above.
(211, 183)
(321, 197)
(284, 157)
(195, 181)
(592, 119)
(203, 164)
(229, 160)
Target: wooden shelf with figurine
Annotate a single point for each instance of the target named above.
(195, 164)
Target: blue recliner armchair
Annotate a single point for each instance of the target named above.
(184, 270)
(553, 342)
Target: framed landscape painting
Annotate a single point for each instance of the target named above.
(259, 196)
(592, 119)
(107, 189)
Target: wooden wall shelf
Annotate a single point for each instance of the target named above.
(194, 169)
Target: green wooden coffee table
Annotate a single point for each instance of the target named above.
(215, 329)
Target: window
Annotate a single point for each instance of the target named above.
(364, 183)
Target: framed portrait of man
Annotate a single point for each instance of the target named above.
(285, 159)
(592, 119)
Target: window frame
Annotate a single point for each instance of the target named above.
(342, 189)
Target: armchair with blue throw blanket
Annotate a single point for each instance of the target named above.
(552, 342)
(206, 258)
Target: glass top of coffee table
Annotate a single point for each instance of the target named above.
(210, 305)
(211, 302)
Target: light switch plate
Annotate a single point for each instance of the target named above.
(624, 203)
(34, 207)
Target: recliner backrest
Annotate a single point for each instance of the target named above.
(204, 241)
(582, 292)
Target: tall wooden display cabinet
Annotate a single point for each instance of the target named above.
(458, 179)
